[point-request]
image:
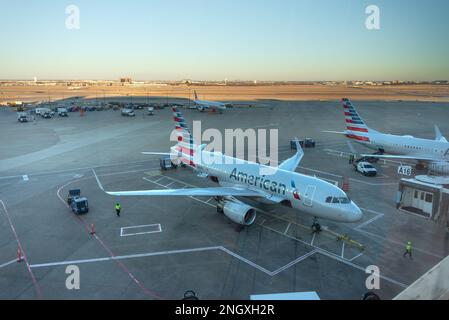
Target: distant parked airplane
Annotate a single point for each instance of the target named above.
(433, 152)
(203, 105)
(237, 177)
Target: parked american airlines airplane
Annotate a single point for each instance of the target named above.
(237, 177)
(433, 152)
(202, 105)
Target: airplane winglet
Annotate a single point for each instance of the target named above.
(292, 163)
(438, 135)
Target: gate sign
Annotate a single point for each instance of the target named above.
(405, 170)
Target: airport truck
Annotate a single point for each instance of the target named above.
(306, 143)
(22, 117)
(128, 112)
(62, 112)
(77, 204)
(166, 163)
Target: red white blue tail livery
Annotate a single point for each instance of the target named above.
(435, 152)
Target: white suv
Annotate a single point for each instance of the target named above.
(128, 113)
(366, 169)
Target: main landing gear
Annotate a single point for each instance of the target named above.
(316, 227)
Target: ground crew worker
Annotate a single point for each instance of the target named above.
(408, 249)
(118, 207)
(351, 159)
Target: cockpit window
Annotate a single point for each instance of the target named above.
(343, 200)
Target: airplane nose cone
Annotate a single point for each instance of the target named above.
(356, 213)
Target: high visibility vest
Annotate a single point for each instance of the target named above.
(408, 247)
(117, 206)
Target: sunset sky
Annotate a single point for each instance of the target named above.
(218, 39)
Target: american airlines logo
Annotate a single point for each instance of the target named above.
(260, 182)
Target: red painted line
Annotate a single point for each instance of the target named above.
(118, 262)
(125, 269)
(33, 278)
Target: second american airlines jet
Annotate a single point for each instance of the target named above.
(203, 105)
(239, 178)
(434, 152)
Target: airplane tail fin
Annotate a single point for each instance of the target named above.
(355, 126)
(185, 147)
(196, 96)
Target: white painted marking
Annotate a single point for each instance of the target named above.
(152, 254)
(374, 184)
(25, 178)
(313, 239)
(153, 228)
(323, 172)
(235, 255)
(364, 224)
(288, 227)
(343, 250)
(359, 255)
(131, 256)
(294, 262)
(7, 263)
(159, 179)
(79, 169)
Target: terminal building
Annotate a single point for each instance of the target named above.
(426, 196)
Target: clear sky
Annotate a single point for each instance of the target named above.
(218, 39)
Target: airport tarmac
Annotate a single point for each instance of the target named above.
(160, 247)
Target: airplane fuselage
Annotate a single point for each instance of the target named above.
(204, 104)
(307, 194)
(408, 145)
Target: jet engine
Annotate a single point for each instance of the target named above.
(237, 211)
(439, 167)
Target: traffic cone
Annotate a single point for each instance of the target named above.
(92, 229)
(345, 184)
(19, 255)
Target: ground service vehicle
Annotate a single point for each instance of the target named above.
(22, 117)
(77, 204)
(365, 168)
(62, 112)
(128, 113)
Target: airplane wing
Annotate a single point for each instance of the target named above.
(158, 153)
(384, 156)
(438, 135)
(292, 163)
(189, 192)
